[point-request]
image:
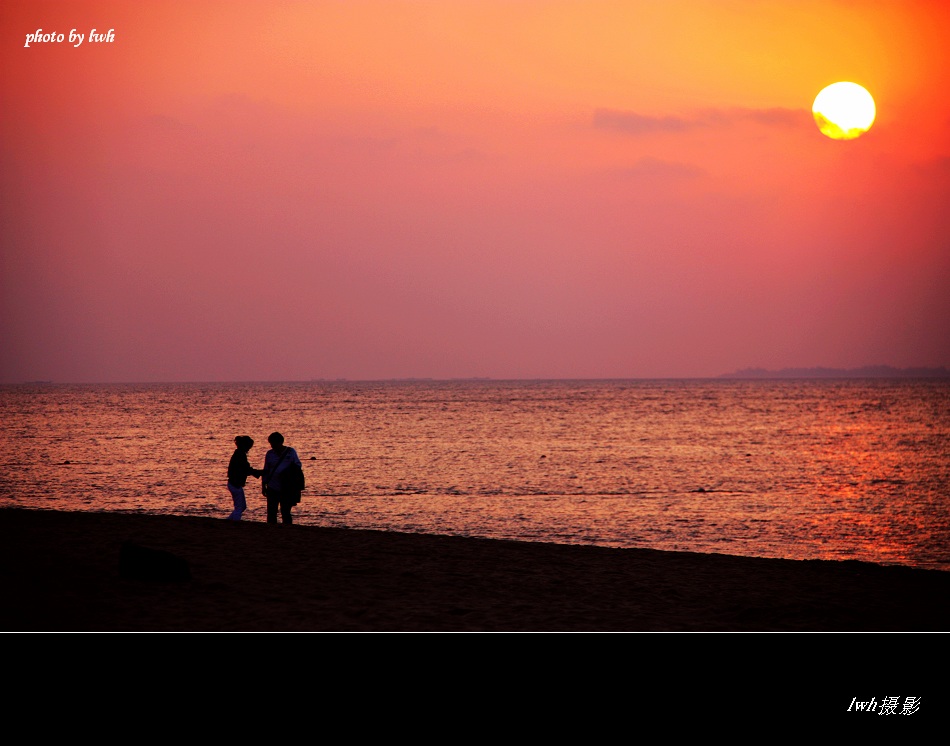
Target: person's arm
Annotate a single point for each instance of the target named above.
(265, 474)
(249, 471)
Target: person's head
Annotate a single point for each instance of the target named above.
(276, 440)
(243, 442)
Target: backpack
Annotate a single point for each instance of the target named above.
(292, 479)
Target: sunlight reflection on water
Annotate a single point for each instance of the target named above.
(794, 469)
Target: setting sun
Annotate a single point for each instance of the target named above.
(844, 111)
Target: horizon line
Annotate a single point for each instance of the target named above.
(867, 371)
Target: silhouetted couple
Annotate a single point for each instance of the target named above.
(280, 463)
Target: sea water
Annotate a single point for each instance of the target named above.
(800, 469)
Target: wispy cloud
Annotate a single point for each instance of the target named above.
(639, 124)
(633, 123)
(656, 168)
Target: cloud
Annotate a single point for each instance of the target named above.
(655, 168)
(775, 117)
(632, 123)
(639, 124)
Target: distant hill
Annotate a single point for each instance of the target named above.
(869, 371)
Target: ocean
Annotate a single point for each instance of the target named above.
(801, 469)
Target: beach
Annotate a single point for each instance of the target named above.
(117, 572)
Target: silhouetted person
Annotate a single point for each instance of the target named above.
(277, 461)
(239, 469)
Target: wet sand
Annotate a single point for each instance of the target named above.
(108, 572)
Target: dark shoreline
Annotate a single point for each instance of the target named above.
(61, 573)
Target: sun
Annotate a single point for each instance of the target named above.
(844, 111)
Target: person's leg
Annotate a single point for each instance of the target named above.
(285, 508)
(240, 502)
(273, 501)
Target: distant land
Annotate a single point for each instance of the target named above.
(868, 371)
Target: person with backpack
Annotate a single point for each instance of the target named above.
(282, 479)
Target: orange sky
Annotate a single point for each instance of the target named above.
(295, 190)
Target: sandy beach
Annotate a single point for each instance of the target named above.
(99, 572)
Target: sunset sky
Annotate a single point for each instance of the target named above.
(288, 190)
